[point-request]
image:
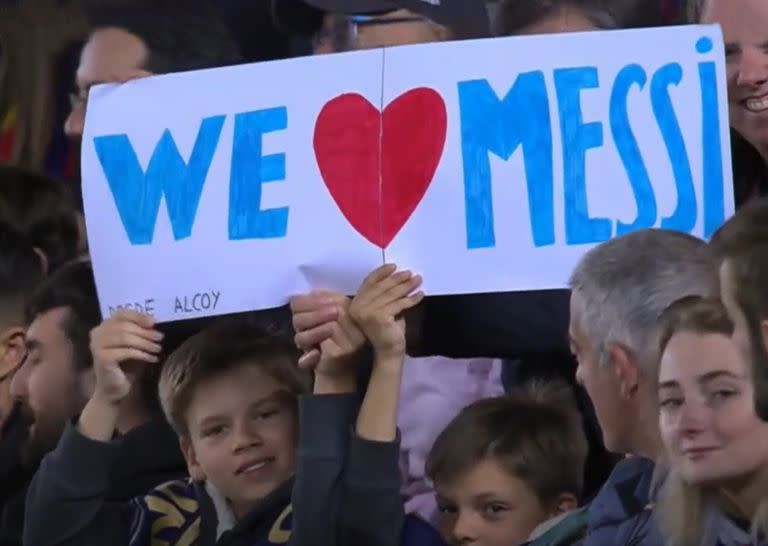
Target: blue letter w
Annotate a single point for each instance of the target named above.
(137, 194)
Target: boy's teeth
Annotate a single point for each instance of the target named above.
(757, 104)
(254, 467)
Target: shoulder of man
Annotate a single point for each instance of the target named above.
(169, 513)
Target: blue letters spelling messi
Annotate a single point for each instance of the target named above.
(489, 125)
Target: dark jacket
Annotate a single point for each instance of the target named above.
(320, 507)
(14, 477)
(145, 457)
(620, 515)
(527, 326)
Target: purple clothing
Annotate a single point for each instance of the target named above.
(434, 391)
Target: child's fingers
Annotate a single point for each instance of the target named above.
(129, 340)
(400, 290)
(374, 292)
(397, 307)
(129, 315)
(378, 275)
(312, 302)
(309, 360)
(308, 320)
(113, 333)
(314, 336)
(130, 353)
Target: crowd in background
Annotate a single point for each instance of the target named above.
(630, 409)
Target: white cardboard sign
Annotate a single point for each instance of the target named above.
(488, 165)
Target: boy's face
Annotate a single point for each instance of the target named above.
(487, 506)
(243, 433)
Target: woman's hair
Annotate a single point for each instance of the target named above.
(685, 510)
(514, 15)
(537, 435)
(742, 242)
(694, 314)
(749, 277)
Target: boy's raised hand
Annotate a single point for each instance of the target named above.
(330, 339)
(117, 344)
(378, 306)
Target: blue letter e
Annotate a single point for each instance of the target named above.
(251, 169)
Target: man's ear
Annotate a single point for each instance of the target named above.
(196, 471)
(565, 502)
(625, 370)
(12, 350)
(44, 262)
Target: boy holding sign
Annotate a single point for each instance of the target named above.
(238, 404)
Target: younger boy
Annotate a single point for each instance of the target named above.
(505, 466)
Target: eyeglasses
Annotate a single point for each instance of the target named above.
(78, 100)
(368, 20)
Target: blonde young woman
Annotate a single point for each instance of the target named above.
(715, 493)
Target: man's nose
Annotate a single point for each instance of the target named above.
(20, 383)
(752, 68)
(75, 122)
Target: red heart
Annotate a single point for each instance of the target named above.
(349, 141)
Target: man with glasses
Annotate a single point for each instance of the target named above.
(144, 40)
(381, 23)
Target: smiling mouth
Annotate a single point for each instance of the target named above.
(698, 453)
(253, 466)
(756, 105)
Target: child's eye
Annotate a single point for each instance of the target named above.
(214, 431)
(446, 509)
(266, 414)
(670, 403)
(494, 509)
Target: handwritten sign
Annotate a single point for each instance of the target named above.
(489, 165)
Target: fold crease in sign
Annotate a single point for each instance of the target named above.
(352, 135)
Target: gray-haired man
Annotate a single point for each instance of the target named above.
(618, 291)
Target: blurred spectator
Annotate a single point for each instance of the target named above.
(253, 30)
(516, 17)
(55, 382)
(134, 41)
(20, 272)
(41, 209)
(34, 36)
(380, 23)
(745, 30)
(327, 32)
(741, 245)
